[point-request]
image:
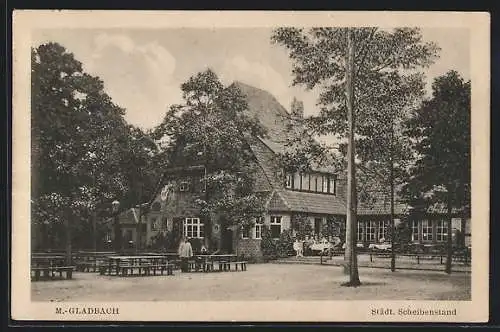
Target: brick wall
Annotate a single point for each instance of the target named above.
(249, 248)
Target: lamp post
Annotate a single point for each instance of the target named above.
(115, 205)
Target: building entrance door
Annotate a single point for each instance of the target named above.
(227, 240)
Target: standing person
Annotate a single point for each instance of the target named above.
(185, 252)
(298, 246)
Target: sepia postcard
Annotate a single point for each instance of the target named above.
(250, 166)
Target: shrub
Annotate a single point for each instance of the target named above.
(276, 248)
(301, 226)
(158, 241)
(284, 245)
(268, 245)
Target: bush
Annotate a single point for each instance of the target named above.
(301, 226)
(268, 245)
(284, 245)
(158, 241)
(276, 248)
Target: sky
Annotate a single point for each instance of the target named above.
(143, 69)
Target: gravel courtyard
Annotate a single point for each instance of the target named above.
(259, 282)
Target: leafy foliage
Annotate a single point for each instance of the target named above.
(440, 130)
(301, 225)
(387, 86)
(84, 154)
(268, 244)
(210, 129)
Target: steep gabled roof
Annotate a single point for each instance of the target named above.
(264, 106)
(275, 118)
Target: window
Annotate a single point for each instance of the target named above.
(193, 228)
(183, 186)
(245, 232)
(128, 235)
(361, 237)
(414, 230)
(296, 181)
(382, 230)
(305, 181)
(371, 227)
(258, 228)
(426, 230)
(275, 226)
(325, 184)
(317, 226)
(154, 224)
(289, 181)
(314, 182)
(331, 188)
(203, 184)
(441, 231)
(165, 223)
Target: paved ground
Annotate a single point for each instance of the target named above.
(259, 282)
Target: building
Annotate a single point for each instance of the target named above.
(318, 197)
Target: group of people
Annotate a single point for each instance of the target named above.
(306, 246)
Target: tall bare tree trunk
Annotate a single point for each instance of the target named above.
(351, 264)
(391, 180)
(67, 226)
(118, 232)
(94, 229)
(449, 251)
(138, 244)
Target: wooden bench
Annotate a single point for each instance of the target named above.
(127, 269)
(191, 265)
(88, 266)
(242, 264)
(224, 266)
(49, 271)
(208, 266)
(162, 268)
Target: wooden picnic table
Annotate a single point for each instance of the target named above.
(47, 260)
(49, 265)
(144, 264)
(87, 261)
(205, 263)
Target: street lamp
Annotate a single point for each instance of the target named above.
(115, 205)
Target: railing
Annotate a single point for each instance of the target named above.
(464, 257)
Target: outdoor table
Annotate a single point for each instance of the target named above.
(223, 260)
(91, 260)
(49, 264)
(117, 263)
(47, 260)
(170, 254)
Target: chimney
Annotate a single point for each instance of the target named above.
(297, 108)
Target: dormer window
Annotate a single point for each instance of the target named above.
(312, 182)
(325, 184)
(183, 186)
(331, 186)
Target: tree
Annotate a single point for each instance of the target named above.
(80, 145)
(350, 83)
(212, 129)
(440, 129)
